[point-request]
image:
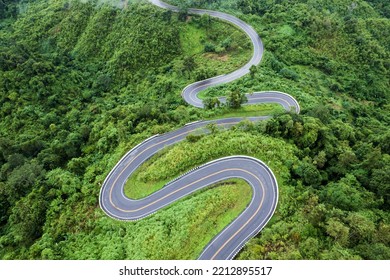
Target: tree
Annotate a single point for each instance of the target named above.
(8, 8)
(209, 47)
(308, 172)
(212, 127)
(22, 179)
(27, 217)
(362, 229)
(309, 248)
(189, 64)
(253, 71)
(338, 231)
(380, 181)
(343, 195)
(167, 15)
(235, 98)
(205, 21)
(227, 43)
(192, 138)
(183, 11)
(211, 102)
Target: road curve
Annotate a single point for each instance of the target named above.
(258, 175)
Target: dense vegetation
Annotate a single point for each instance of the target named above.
(81, 83)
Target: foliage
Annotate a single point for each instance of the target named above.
(235, 98)
(184, 156)
(82, 83)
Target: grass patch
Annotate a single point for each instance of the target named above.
(137, 188)
(245, 111)
(191, 39)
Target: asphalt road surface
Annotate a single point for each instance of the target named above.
(258, 175)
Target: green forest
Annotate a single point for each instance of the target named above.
(84, 81)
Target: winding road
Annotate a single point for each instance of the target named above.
(258, 175)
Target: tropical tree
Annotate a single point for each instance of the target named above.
(235, 98)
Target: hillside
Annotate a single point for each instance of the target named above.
(82, 82)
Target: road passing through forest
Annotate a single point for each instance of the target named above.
(257, 174)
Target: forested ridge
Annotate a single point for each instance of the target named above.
(82, 82)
